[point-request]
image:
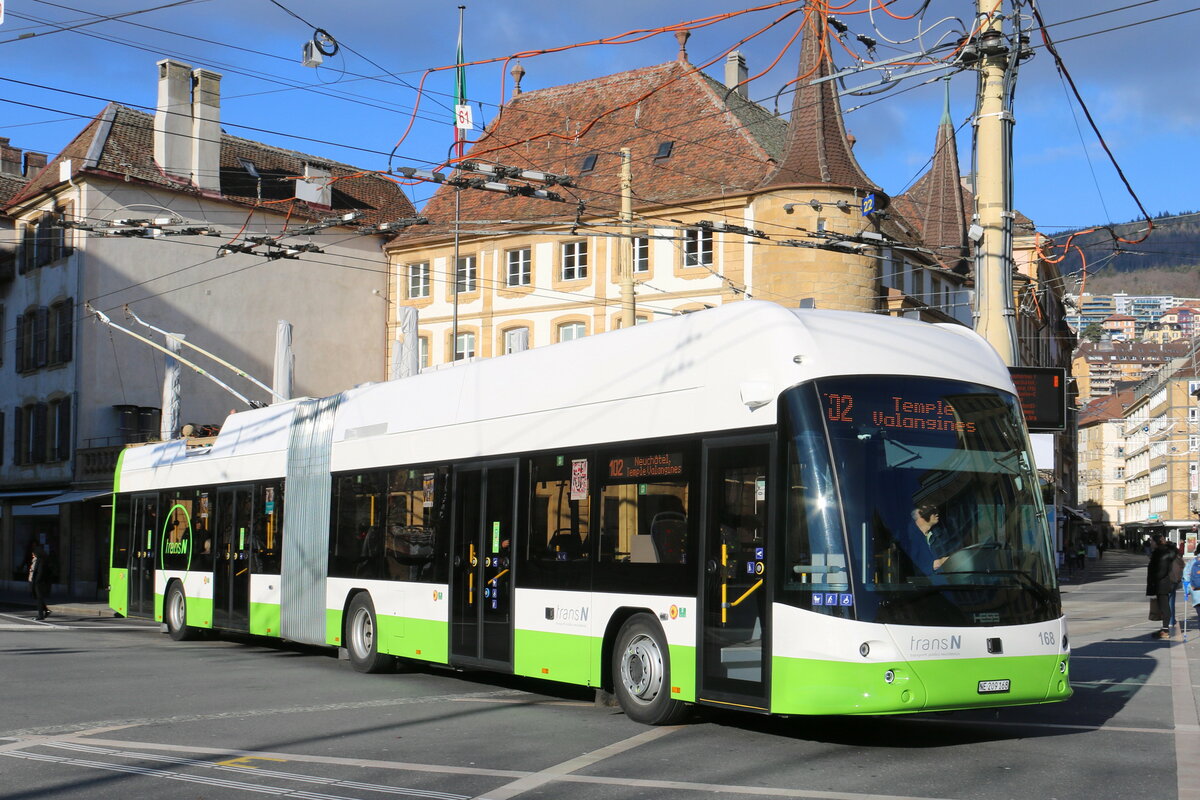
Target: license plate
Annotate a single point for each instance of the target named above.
(993, 687)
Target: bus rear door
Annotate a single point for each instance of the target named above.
(144, 533)
(485, 512)
(734, 652)
(231, 572)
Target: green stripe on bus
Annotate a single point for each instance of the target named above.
(158, 607)
(264, 619)
(558, 656)
(333, 627)
(199, 612)
(118, 590)
(683, 672)
(421, 639)
(806, 686)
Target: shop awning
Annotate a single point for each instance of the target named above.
(72, 497)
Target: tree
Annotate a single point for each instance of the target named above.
(1093, 332)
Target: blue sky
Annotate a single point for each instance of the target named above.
(1124, 64)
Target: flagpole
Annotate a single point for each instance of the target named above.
(460, 96)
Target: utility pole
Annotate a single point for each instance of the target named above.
(995, 317)
(625, 254)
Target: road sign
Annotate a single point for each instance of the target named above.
(868, 205)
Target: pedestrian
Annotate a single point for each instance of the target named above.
(39, 580)
(1191, 583)
(1161, 583)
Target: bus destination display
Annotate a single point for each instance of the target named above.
(896, 411)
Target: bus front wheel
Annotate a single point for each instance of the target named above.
(642, 673)
(175, 612)
(362, 637)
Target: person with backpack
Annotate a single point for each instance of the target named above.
(1163, 576)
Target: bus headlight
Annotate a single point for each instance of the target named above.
(889, 676)
(864, 649)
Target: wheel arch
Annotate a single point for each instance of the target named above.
(615, 623)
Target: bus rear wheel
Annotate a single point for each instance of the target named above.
(175, 614)
(642, 673)
(362, 637)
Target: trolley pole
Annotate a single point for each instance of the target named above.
(625, 260)
(995, 317)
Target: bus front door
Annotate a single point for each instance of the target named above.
(734, 652)
(231, 572)
(143, 539)
(485, 509)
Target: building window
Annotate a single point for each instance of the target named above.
(29, 440)
(516, 340)
(574, 260)
(641, 254)
(519, 267)
(60, 331)
(58, 421)
(697, 248)
(423, 351)
(466, 275)
(589, 164)
(569, 331)
(32, 339)
(418, 280)
(664, 150)
(465, 346)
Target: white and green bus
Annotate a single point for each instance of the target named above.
(789, 512)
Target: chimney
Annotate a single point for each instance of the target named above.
(736, 73)
(10, 159)
(206, 130)
(34, 162)
(173, 119)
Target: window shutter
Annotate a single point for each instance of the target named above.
(25, 261)
(39, 434)
(20, 354)
(41, 337)
(62, 444)
(18, 421)
(64, 322)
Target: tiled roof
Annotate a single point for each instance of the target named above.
(721, 143)
(9, 186)
(817, 151)
(1104, 409)
(938, 203)
(120, 142)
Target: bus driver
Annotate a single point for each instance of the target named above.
(933, 546)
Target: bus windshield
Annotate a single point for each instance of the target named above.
(939, 498)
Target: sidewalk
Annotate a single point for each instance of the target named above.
(76, 608)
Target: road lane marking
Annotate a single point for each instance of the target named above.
(74, 729)
(243, 769)
(550, 774)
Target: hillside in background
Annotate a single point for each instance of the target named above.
(1167, 262)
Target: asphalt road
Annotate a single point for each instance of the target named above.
(97, 707)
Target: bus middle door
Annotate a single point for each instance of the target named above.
(231, 572)
(481, 623)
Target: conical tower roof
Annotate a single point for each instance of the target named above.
(818, 151)
(939, 203)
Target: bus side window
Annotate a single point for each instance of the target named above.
(645, 510)
(268, 528)
(416, 525)
(560, 510)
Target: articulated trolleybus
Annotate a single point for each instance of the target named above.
(789, 512)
